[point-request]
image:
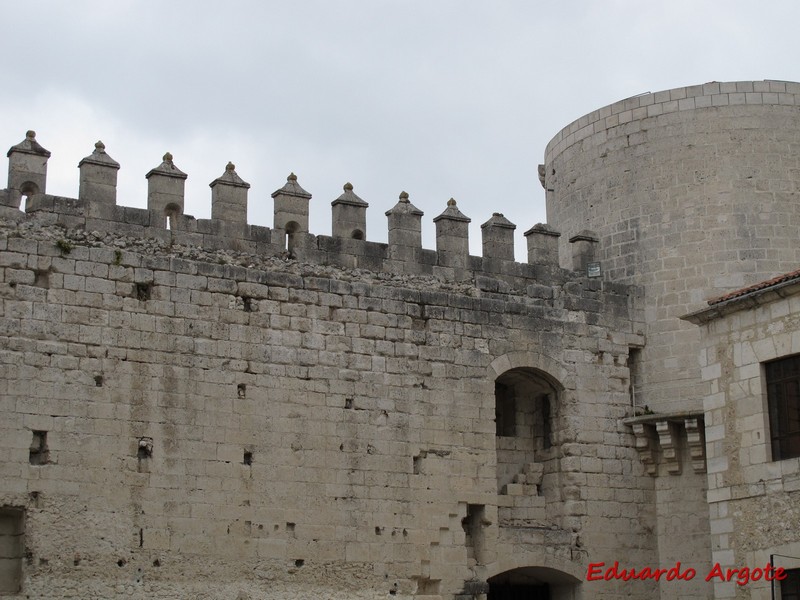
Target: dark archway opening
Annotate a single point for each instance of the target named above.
(518, 591)
(525, 411)
(532, 583)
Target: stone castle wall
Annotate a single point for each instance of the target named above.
(691, 192)
(209, 408)
(218, 410)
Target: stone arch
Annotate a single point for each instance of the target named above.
(26, 191)
(526, 575)
(548, 367)
(171, 211)
(529, 394)
(291, 229)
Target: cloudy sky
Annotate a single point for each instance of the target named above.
(440, 98)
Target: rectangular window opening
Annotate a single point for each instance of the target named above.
(473, 524)
(634, 373)
(547, 431)
(39, 454)
(505, 411)
(783, 401)
(790, 587)
(12, 549)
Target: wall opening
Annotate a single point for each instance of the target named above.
(357, 234)
(532, 583)
(145, 449)
(473, 525)
(143, 291)
(546, 422)
(291, 229)
(39, 453)
(790, 587)
(519, 591)
(12, 549)
(42, 278)
(525, 411)
(27, 190)
(505, 411)
(171, 212)
(634, 364)
(782, 378)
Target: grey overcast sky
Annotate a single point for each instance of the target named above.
(439, 98)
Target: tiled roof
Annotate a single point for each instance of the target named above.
(756, 287)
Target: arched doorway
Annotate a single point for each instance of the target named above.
(526, 402)
(533, 583)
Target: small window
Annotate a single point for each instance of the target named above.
(544, 420)
(790, 587)
(11, 549)
(783, 400)
(473, 525)
(39, 453)
(505, 411)
(292, 228)
(635, 372)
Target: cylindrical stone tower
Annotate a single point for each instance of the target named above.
(693, 192)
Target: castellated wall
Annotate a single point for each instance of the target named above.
(220, 410)
(692, 192)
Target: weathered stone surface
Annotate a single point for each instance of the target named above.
(692, 192)
(222, 410)
(300, 420)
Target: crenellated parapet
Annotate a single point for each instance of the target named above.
(96, 209)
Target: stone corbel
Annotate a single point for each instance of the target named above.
(697, 444)
(666, 430)
(668, 438)
(645, 446)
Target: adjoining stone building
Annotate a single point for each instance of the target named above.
(751, 359)
(214, 409)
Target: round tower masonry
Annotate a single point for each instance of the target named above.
(692, 192)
